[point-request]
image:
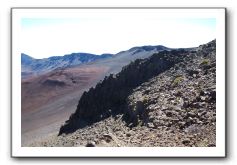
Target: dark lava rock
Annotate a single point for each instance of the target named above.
(152, 110)
(128, 134)
(211, 145)
(186, 141)
(131, 76)
(213, 94)
(107, 138)
(191, 114)
(144, 94)
(91, 144)
(169, 113)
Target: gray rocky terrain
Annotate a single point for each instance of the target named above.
(168, 99)
(51, 87)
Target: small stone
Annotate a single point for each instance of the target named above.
(191, 114)
(199, 122)
(202, 113)
(213, 120)
(186, 141)
(178, 93)
(189, 121)
(202, 93)
(90, 144)
(175, 120)
(164, 108)
(159, 123)
(181, 125)
(150, 125)
(186, 104)
(147, 91)
(169, 114)
(159, 135)
(128, 134)
(116, 129)
(172, 131)
(203, 98)
(107, 137)
(195, 105)
(211, 145)
(203, 119)
(177, 108)
(213, 94)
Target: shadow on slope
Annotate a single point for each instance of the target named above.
(109, 96)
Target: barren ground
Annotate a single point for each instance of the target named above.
(48, 100)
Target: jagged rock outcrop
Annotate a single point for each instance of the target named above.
(167, 89)
(167, 100)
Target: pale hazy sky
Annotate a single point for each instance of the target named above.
(97, 34)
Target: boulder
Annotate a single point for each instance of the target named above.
(90, 144)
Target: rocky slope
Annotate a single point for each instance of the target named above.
(49, 98)
(168, 99)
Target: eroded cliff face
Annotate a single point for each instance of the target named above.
(173, 90)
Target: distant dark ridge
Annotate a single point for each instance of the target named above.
(83, 57)
(31, 66)
(109, 96)
(146, 48)
(25, 59)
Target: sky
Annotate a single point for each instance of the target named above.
(110, 33)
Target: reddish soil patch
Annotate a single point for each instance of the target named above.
(38, 91)
(49, 99)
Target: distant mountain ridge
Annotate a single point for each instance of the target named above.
(145, 48)
(123, 58)
(32, 66)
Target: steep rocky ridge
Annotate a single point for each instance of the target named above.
(166, 100)
(123, 93)
(49, 98)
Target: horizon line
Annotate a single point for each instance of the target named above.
(113, 53)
